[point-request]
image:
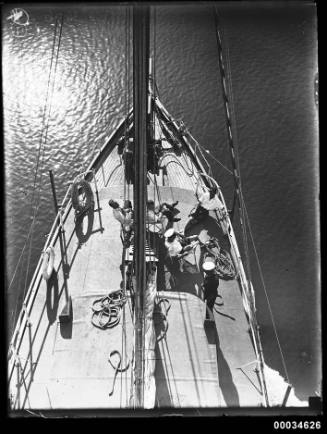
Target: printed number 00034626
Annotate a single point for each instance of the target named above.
(297, 424)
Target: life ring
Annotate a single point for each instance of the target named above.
(82, 196)
(84, 225)
(48, 263)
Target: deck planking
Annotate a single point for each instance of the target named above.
(70, 366)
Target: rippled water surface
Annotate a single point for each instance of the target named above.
(271, 54)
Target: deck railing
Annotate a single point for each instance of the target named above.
(246, 286)
(206, 172)
(24, 316)
(187, 138)
(61, 216)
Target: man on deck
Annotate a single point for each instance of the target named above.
(152, 213)
(125, 218)
(163, 216)
(209, 201)
(177, 244)
(210, 283)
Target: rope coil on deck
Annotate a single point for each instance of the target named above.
(107, 310)
(224, 264)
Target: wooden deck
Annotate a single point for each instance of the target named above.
(70, 366)
(198, 364)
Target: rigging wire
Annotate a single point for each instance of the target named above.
(46, 104)
(238, 190)
(246, 220)
(190, 136)
(153, 80)
(20, 257)
(19, 283)
(233, 143)
(238, 166)
(126, 139)
(42, 147)
(126, 196)
(14, 312)
(40, 144)
(266, 294)
(46, 112)
(217, 161)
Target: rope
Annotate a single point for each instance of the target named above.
(117, 368)
(127, 93)
(126, 196)
(107, 310)
(224, 264)
(44, 140)
(238, 168)
(29, 238)
(230, 116)
(169, 133)
(14, 312)
(266, 294)
(217, 161)
(191, 170)
(238, 189)
(163, 315)
(226, 100)
(123, 257)
(18, 262)
(199, 147)
(173, 136)
(176, 162)
(46, 98)
(123, 340)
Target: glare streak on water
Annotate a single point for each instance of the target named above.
(272, 56)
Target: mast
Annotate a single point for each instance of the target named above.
(140, 90)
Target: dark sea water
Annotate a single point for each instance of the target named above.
(271, 50)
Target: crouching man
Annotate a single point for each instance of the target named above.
(177, 244)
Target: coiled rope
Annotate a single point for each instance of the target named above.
(107, 310)
(224, 264)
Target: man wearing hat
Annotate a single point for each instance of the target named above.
(128, 208)
(177, 244)
(125, 217)
(173, 243)
(208, 201)
(163, 216)
(210, 282)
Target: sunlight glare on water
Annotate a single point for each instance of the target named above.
(273, 62)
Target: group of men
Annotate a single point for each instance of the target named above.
(163, 217)
(177, 244)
